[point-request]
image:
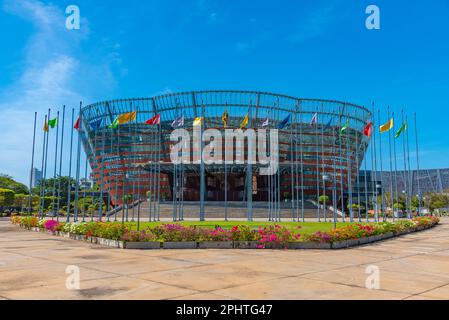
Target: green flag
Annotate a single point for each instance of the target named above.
(343, 129)
(114, 124)
(52, 123)
(401, 129)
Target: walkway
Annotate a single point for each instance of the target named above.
(33, 266)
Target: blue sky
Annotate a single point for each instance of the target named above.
(317, 49)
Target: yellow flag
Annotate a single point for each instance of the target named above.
(197, 121)
(224, 118)
(126, 117)
(387, 126)
(244, 122)
(45, 128)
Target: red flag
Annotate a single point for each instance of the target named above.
(368, 129)
(77, 124)
(155, 120)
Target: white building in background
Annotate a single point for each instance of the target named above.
(36, 176)
(86, 183)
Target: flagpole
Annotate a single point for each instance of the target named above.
(374, 165)
(302, 163)
(365, 160)
(382, 208)
(202, 179)
(334, 178)
(323, 167)
(158, 168)
(32, 166)
(249, 172)
(113, 132)
(151, 176)
(45, 163)
(78, 164)
(317, 170)
(410, 185)
(85, 182)
(60, 162)
(119, 163)
(391, 116)
(296, 162)
(100, 166)
(417, 165)
(225, 124)
(357, 173)
(349, 172)
(93, 163)
(292, 181)
(269, 182)
(341, 171)
(134, 164)
(395, 174)
(69, 185)
(55, 166)
(278, 176)
(41, 182)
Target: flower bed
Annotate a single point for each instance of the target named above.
(179, 236)
(372, 231)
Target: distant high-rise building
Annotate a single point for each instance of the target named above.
(36, 176)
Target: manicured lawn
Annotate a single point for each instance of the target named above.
(306, 227)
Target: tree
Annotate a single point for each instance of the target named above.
(21, 200)
(323, 198)
(436, 201)
(6, 197)
(48, 188)
(399, 206)
(7, 182)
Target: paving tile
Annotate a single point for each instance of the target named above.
(209, 277)
(32, 266)
(297, 288)
(392, 281)
(102, 289)
(138, 265)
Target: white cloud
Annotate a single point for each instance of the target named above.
(50, 77)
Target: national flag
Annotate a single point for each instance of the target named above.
(96, 124)
(387, 126)
(154, 120)
(284, 122)
(401, 129)
(314, 119)
(343, 129)
(76, 126)
(178, 122)
(126, 117)
(53, 122)
(244, 122)
(45, 128)
(114, 124)
(224, 118)
(368, 130)
(197, 121)
(264, 123)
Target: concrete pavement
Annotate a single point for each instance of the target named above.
(33, 266)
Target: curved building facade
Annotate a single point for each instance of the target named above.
(316, 138)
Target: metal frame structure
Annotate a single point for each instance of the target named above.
(117, 156)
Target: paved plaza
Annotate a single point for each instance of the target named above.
(33, 266)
